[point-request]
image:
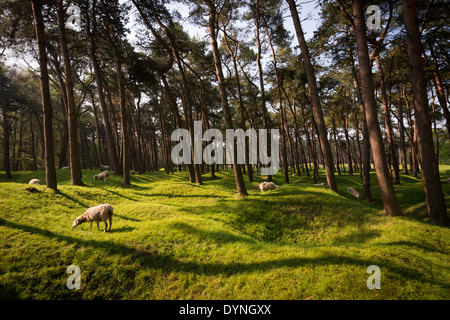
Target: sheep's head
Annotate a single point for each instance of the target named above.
(76, 222)
(96, 177)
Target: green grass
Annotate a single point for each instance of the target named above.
(174, 240)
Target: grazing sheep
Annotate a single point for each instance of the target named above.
(267, 186)
(133, 172)
(98, 213)
(448, 180)
(65, 168)
(103, 167)
(294, 174)
(320, 184)
(353, 192)
(34, 181)
(102, 176)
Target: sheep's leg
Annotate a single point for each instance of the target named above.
(98, 225)
(110, 223)
(106, 225)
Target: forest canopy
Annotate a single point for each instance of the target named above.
(107, 82)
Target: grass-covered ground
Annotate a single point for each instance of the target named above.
(174, 240)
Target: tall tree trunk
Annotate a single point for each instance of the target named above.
(315, 100)
(50, 172)
(74, 152)
(298, 145)
(265, 116)
(284, 131)
(437, 210)
(6, 133)
(365, 152)
(388, 124)
(390, 203)
(32, 144)
(347, 141)
(440, 88)
(99, 154)
(123, 110)
(336, 144)
(233, 55)
(112, 152)
(240, 184)
(401, 130)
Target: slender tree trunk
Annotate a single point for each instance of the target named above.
(437, 210)
(265, 117)
(390, 203)
(401, 130)
(284, 131)
(17, 165)
(298, 145)
(347, 141)
(50, 172)
(389, 130)
(315, 100)
(74, 152)
(99, 156)
(32, 144)
(123, 110)
(439, 88)
(6, 132)
(240, 184)
(336, 144)
(241, 103)
(365, 152)
(112, 152)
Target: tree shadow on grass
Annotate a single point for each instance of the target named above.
(167, 263)
(125, 218)
(119, 194)
(65, 195)
(222, 237)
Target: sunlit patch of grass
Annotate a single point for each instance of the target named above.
(171, 239)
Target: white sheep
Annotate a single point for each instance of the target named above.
(103, 167)
(102, 176)
(65, 168)
(98, 213)
(266, 186)
(353, 192)
(34, 181)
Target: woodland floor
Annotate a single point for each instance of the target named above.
(171, 239)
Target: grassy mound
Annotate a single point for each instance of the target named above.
(174, 240)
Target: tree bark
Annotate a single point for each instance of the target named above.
(390, 203)
(112, 152)
(401, 130)
(365, 152)
(240, 184)
(315, 100)
(123, 110)
(437, 210)
(388, 124)
(74, 152)
(6, 131)
(440, 88)
(347, 142)
(50, 172)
